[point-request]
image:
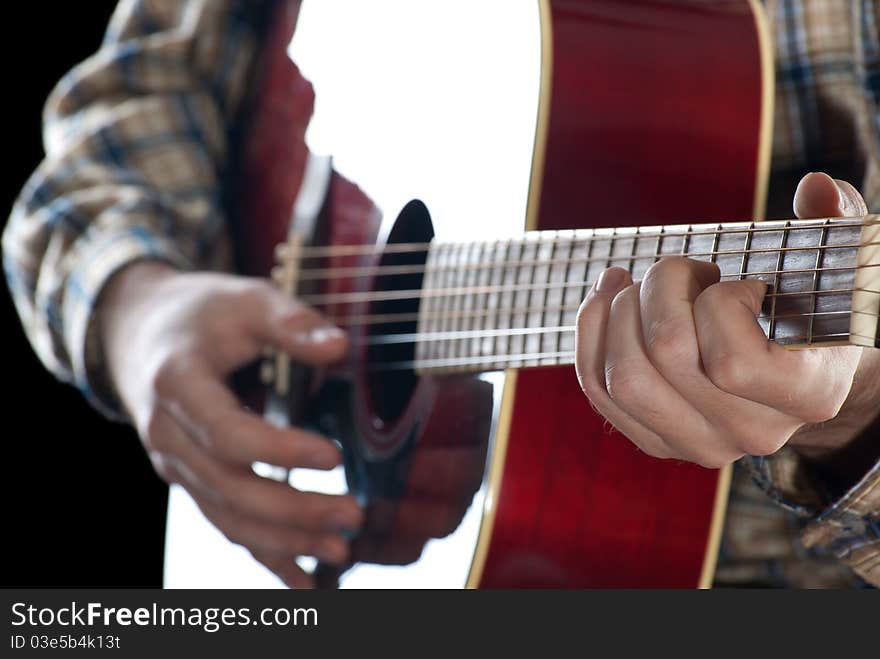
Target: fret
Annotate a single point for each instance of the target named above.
(428, 307)
(743, 268)
(463, 304)
(543, 275)
(490, 300)
(777, 280)
(659, 250)
(830, 305)
(713, 256)
(519, 298)
(555, 280)
(536, 288)
(727, 248)
(820, 252)
(686, 241)
(451, 280)
(563, 339)
(645, 251)
(622, 247)
(600, 254)
(631, 267)
(501, 298)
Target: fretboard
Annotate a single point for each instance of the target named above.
(513, 303)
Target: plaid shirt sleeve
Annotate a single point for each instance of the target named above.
(827, 118)
(135, 140)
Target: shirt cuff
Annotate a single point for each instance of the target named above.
(847, 527)
(96, 263)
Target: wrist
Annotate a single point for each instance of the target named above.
(120, 312)
(844, 448)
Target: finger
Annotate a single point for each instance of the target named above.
(669, 291)
(275, 538)
(739, 358)
(241, 490)
(636, 386)
(213, 416)
(278, 320)
(819, 195)
(285, 568)
(590, 340)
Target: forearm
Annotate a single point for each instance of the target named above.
(134, 139)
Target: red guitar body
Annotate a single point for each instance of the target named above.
(649, 113)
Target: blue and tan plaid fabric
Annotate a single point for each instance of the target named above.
(136, 140)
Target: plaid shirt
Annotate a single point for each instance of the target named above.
(136, 139)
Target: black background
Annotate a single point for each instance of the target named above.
(82, 507)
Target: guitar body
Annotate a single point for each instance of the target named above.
(552, 114)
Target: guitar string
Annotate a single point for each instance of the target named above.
(459, 335)
(420, 294)
(358, 320)
(505, 360)
(318, 274)
(317, 251)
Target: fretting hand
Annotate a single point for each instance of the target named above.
(679, 364)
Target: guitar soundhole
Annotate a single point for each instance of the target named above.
(391, 378)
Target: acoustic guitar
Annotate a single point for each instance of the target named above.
(489, 160)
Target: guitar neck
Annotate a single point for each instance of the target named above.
(513, 303)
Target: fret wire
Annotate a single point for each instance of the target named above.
(745, 263)
(522, 251)
(502, 278)
(562, 290)
(367, 296)
(632, 252)
(493, 259)
(531, 283)
(714, 253)
(551, 284)
(370, 271)
(777, 278)
(467, 300)
(460, 302)
(659, 250)
(823, 237)
(444, 306)
(317, 251)
(685, 243)
(566, 277)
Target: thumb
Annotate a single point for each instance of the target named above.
(819, 195)
(295, 328)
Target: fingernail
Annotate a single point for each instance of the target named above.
(846, 204)
(611, 280)
(319, 334)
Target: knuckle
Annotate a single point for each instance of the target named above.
(592, 388)
(625, 381)
(667, 341)
(666, 266)
(155, 432)
(760, 444)
(164, 378)
(731, 373)
(655, 450)
(821, 410)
